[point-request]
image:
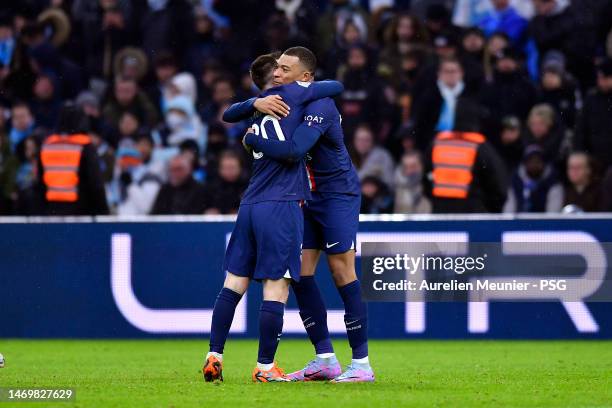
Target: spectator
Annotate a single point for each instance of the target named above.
(222, 96)
(409, 195)
(106, 28)
(472, 58)
(142, 182)
(223, 193)
(23, 124)
(583, 189)
(46, 58)
(544, 130)
(438, 21)
(68, 171)
(558, 89)
(494, 46)
(129, 127)
(333, 19)
(435, 110)
(504, 18)
(27, 178)
(181, 84)
(403, 35)
(190, 149)
(206, 45)
(535, 187)
(165, 67)
(559, 26)
(217, 143)
(105, 152)
(463, 172)
(127, 97)
(7, 41)
(8, 170)
(276, 35)
(211, 71)
(510, 93)
(182, 194)
(183, 123)
(166, 25)
(363, 99)
(89, 103)
(46, 104)
(350, 35)
(510, 144)
(594, 125)
(370, 159)
(375, 197)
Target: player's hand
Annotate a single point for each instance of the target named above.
(248, 148)
(272, 105)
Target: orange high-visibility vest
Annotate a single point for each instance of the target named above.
(453, 156)
(60, 157)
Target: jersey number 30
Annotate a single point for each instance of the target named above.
(261, 128)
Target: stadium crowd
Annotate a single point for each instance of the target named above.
(154, 77)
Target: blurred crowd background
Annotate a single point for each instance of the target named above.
(154, 77)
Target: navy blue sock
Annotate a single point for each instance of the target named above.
(222, 317)
(355, 319)
(270, 330)
(313, 313)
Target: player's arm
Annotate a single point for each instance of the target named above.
(324, 89)
(239, 111)
(318, 117)
(272, 105)
(294, 150)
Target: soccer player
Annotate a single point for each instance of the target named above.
(265, 244)
(331, 219)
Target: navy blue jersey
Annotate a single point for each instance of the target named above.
(274, 180)
(329, 165)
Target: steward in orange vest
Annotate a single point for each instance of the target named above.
(464, 174)
(69, 174)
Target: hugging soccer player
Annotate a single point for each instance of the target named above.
(265, 244)
(331, 219)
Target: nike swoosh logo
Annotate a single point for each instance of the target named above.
(329, 246)
(311, 374)
(354, 321)
(307, 319)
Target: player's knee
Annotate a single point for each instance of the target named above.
(342, 267)
(310, 258)
(276, 291)
(238, 284)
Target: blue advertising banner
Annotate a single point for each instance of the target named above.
(157, 277)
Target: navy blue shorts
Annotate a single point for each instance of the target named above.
(266, 242)
(331, 221)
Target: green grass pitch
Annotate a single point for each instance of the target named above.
(165, 373)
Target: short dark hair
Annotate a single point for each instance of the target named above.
(165, 59)
(450, 60)
(144, 135)
(72, 120)
(306, 57)
(262, 70)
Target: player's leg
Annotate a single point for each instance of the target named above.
(312, 308)
(340, 233)
(239, 259)
(223, 315)
(355, 317)
(278, 228)
(275, 293)
(313, 312)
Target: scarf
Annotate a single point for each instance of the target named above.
(449, 105)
